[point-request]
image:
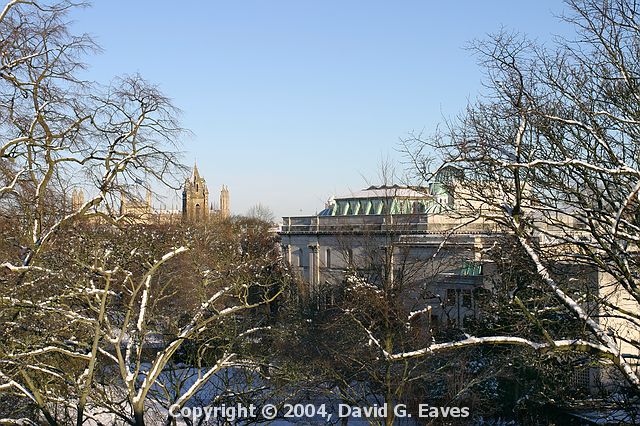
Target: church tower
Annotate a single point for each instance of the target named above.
(195, 198)
(77, 199)
(224, 202)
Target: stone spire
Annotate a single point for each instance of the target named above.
(195, 175)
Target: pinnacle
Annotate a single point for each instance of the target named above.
(195, 175)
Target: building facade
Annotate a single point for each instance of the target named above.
(135, 208)
(394, 233)
(422, 238)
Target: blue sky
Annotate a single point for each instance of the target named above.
(293, 101)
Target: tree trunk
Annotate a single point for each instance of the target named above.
(138, 418)
(80, 417)
(390, 417)
(50, 418)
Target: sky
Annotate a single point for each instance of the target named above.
(291, 102)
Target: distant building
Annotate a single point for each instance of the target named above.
(77, 199)
(195, 200)
(135, 208)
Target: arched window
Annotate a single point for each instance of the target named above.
(197, 211)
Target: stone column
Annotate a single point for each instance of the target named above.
(286, 253)
(314, 265)
(389, 262)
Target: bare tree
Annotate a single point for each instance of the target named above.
(380, 279)
(261, 212)
(550, 155)
(76, 308)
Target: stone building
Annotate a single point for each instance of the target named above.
(394, 233)
(196, 208)
(136, 209)
(77, 199)
(195, 200)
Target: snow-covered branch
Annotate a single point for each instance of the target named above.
(556, 345)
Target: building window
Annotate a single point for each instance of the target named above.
(434, 320)
(451, 297)
(471, 268)
(300, 257)
(328, 258)
(466, 298)
(328, 298)
(356, 208)
(376, 207)
(350, 256)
